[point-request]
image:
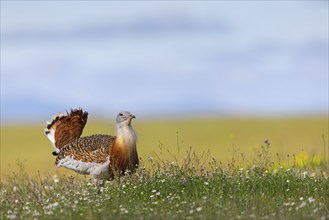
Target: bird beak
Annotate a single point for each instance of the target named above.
(132, 116)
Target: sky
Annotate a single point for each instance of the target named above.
(164, 59)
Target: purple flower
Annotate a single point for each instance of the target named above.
(266, 141)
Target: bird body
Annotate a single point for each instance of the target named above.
(97, 155)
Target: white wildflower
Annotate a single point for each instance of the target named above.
(289, 204)
(35, 213)
(49, 213)
(302, 205)
(199, 209)
(123, 210)
(311, 200)
(305, 174)
(11, 216)
(52, 206)
(55, 178)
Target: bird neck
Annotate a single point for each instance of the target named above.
(126, 137)
(124, 153)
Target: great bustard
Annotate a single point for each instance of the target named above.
(97, 155)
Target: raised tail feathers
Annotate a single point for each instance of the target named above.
(65, 127)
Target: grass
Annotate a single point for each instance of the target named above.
(242, 176)
(223, 137)
(173, 191)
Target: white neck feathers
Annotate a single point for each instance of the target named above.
(126, 137)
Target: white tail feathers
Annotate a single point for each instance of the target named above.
(50, 129)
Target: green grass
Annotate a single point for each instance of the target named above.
(191, 169)
(172, 191)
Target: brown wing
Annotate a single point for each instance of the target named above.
(65, 128)
(95, 148)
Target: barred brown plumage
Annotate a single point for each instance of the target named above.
(97, 155)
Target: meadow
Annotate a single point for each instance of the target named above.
(224, 138)
(191, 169)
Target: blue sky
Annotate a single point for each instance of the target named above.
(173, 59)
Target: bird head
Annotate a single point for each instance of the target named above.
(124, 117)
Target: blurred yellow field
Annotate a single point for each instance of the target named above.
(223, 137)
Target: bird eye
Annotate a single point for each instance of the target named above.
(120, 114)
